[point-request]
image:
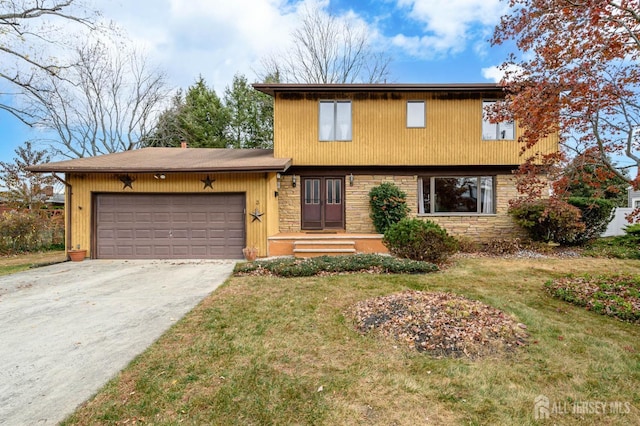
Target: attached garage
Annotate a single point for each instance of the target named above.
(169, 226)
(171, 203)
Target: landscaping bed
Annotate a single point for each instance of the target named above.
(615, 295)
(441, 324)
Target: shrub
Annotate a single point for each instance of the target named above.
(292, 267)
(548, 220)
(503, 246)
(596, 215)
(419, 240)
(388, 206)
(617, 296)
(467, 245)
(22, 231)
(632, 231)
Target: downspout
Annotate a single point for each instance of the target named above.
(68, 209)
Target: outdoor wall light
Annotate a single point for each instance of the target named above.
(160, 176)
(351, 179)
(293, 181)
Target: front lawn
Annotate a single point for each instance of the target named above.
(10, 264)
(267, 350)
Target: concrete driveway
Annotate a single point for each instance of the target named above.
(66, 329)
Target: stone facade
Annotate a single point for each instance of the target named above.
(481, 228)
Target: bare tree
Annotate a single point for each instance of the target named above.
(107, 102)
(33, 39)
(327, 49)
(24, 189)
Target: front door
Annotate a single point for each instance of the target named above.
(322, 203)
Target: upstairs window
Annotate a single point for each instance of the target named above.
(335, 121)
(495, 131)
(456, 194)
(415, 114)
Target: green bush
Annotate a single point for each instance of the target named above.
(421, 240)
(388, 206)
(596, 215)
(632, 231)
(548, 220)
(292, 267)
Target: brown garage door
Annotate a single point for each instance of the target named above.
(170, 226)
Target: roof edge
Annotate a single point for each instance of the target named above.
(272, 88)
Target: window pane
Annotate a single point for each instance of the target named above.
(505, 130)
(343, 121)
(316, 191)
(329, 191)
(326, 127)
(496, 131)
(426, 195)
(486, 195)
(456, 194)
(415, 114)
(338, 189)
(307, 192)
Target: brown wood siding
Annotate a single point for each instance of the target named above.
(259, 189)
(452, 136)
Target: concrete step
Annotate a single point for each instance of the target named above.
(315, 252)
(324, 244)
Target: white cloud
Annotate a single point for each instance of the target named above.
(188, 38)
(497, 74)
(447, 25)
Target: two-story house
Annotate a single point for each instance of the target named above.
(309, 195)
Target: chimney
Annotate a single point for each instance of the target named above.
(183, 144)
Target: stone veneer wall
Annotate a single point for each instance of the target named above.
(481, 228)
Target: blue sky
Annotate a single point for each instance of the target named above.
(430, 41)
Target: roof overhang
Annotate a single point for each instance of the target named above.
(173, 160)
(272, 89)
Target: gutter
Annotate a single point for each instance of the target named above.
(68, 210)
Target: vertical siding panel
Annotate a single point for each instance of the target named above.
(255, 186)
(452, 136)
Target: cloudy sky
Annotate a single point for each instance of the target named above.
(430, 41)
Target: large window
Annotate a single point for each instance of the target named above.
(335, 121)
(415, 114)
(465, 194)
(495, 131)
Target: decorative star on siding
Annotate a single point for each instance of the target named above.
(126, 180)
(208, 182)
(256, 215)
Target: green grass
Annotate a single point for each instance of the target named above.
(266, 350)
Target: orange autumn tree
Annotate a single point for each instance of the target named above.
(577, 73)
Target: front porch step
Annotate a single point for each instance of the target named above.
(313, 248)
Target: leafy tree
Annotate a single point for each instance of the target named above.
(328, 49)
(24, 189)
(250, 115)
(198, 118)
(587, 177)
(578, 75)
(31, 33)
(204, 118)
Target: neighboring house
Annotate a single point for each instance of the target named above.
(634, 198)
(308, 195)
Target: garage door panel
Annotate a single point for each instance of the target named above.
(170, 225)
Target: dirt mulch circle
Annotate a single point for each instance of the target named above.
(440, 324)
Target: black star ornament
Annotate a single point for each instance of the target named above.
(256, 215)
(208, 182)
(126, 181)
